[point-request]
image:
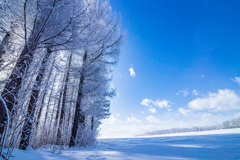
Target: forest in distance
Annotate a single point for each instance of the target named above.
(235, 123)
(56, 59)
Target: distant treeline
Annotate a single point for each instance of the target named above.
(235, 123)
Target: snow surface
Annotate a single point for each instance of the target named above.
(222, 144)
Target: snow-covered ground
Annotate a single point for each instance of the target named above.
(222, 144)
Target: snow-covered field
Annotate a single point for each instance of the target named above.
(223, 144)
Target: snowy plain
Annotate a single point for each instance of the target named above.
(220, 144)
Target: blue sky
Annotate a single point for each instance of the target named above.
(186, 57)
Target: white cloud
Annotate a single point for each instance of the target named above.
(146, 102)
(111, 120)
(185, 112)
(133, 119)
(142, 112)
(169, 110)
(224, 100)
(118, 115)
(184, 92)
(153, 110)
(195, 92)
(153, 119)
(162, 104)
(158, 103)
(132, 73)
(237, 80)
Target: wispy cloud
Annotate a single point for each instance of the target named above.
(184, 92)
(133, 119)
(237, 80)
(195, 92)
(185, 112)
(153, 119)
(111, 120)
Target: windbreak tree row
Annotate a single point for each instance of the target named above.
(234, 123)
(56, 57)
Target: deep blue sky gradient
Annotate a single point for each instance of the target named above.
(171, 44)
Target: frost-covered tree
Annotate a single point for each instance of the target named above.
(57, 85)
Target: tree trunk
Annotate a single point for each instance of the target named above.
(63, 103)
(11, 89)
(46, 114)
(92, 123)
(79, 118)
(57, 115)
(24, 143)
(2, 47)
(44, 95)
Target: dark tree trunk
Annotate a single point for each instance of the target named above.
(63, 103)
(92, 123)
(11, 89)
(2, 46)
(24, 143)
(40, 110)
(57, 115)
(79, 118)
